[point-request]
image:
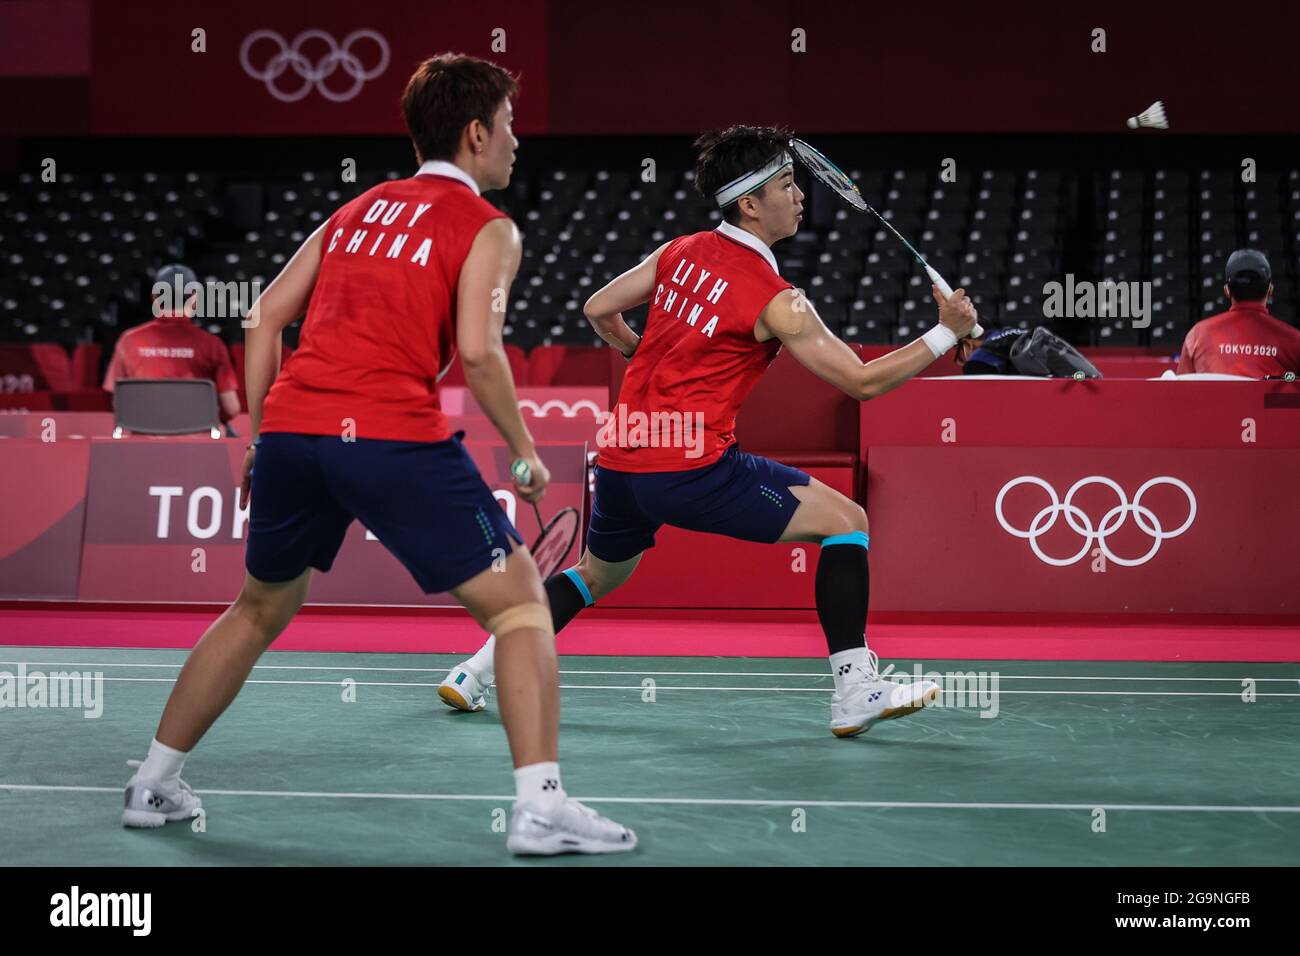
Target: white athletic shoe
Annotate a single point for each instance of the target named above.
(149, 804)
(870, 698)
(463, 690)
(571, 827)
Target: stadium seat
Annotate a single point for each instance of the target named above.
(38, 367)
(1001, 232)
(147, 406)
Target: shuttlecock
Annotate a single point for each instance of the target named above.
(1153, 116)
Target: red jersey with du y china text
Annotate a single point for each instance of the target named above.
(380, 328)
(698, 359)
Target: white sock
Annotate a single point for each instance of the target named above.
(848, 667)
(163, 764)
(483, 664)
(539, 784)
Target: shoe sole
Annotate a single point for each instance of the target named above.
(889, 713)
(152, 819)
(929, 697)
(454, 698)
(557, 845)
(143, 819)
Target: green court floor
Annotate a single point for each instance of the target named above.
(720, 761)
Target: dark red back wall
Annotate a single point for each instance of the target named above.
(932, 66)
(122, 67)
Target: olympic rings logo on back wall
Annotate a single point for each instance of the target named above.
(313, 75)
(1079, 521)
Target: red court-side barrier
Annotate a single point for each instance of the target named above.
(1057, 530)
(1184, 496)
(42, 511)
(161, 521)
(939, 454)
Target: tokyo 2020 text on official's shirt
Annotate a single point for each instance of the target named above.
(381, 325)
(698, 359)
(1245, 340)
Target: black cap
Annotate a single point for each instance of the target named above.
(168, 274)
(1247, 266)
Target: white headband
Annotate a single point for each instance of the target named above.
(751, 181)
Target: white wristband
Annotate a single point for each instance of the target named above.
(940, 339)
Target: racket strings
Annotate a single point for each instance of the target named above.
(555, 542)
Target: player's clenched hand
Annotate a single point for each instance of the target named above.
(539, 476)
(246, 477)
(957, 313)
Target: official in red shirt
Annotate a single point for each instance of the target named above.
(172, 346)
(1245, 340)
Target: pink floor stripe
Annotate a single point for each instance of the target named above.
(790, 635)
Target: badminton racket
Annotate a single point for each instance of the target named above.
(835, 179)
(556, 537)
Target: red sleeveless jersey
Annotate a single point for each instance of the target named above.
(380, 328)
(698, 359)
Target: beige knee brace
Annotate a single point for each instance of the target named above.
(521, 616)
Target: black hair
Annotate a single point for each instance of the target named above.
(447, 92)
(726, 155)
(1248, 286)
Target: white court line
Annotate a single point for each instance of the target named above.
(699, 801)
(784, 690)
(818, 675)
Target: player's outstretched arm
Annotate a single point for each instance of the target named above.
(284, 301)
(791, 318)
(481, 296)
(605, 309)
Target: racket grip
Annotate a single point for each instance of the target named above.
(522, 472)
(946, 290)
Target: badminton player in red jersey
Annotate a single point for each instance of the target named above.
(719, 313)
(394, 284)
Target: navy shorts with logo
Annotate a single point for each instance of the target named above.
(425, 501)
(740, 495)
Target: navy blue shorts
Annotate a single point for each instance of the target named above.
(425, 501)
(740, 495)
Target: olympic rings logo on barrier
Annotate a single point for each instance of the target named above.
(313, 74)
(565, 409)
(1080, 522)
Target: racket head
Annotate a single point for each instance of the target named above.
(828, 174)
(835, 179)
(555, 542)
